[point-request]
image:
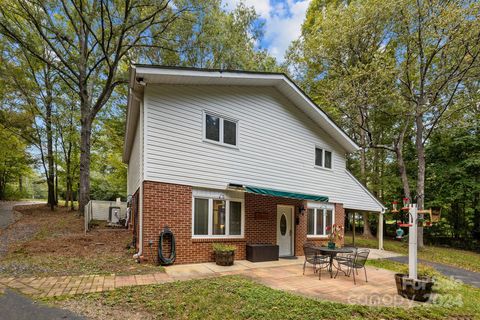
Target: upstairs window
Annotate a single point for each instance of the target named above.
(323, 158)
(220, 130)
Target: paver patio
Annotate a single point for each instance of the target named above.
(284, 274)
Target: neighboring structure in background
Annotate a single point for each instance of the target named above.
(233, 157)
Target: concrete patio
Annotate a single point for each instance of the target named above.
(284, 274)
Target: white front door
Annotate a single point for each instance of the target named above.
(285, 230)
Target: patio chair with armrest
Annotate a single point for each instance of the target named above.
(345, 256)
(314, 257)
(353, 262)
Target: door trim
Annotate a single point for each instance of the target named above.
(292, 239)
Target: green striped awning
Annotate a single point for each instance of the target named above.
(285, 194)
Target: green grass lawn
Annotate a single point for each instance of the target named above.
(458, 258)
(235, 297)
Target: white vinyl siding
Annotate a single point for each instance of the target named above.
(135, 163)
(274, 144)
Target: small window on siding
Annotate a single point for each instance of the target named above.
(212, 128)
(328, 159)
(323, 158)
(230, 132)
(221, 130)
(319, 157)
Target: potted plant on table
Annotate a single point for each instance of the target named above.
(224, 254)
(334, 233)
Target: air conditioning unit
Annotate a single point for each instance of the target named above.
(114, 216)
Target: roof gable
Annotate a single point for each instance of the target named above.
(141, 75)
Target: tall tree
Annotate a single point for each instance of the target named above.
(31, 85)
(214, 38)
(439, 48)
(90, 42)
(393, 68)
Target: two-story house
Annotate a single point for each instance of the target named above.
(233, 157)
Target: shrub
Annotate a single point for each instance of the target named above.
(220, 247)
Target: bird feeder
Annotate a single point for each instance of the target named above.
(394, 206)
(406, 203)
(435, 213)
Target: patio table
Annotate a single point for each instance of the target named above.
(332, 253)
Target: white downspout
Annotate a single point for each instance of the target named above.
(137, 256)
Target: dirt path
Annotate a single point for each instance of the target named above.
(7, 217)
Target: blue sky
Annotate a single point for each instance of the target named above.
(283, 20)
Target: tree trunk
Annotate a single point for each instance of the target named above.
(421, 172)
(403, 170)
(50, 160)
(363, 177)
(85, 136)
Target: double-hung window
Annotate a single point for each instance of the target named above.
(220, 129)
(318, 219)
(323, 158)
(217, 218)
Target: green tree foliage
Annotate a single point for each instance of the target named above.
(14, 164)
(205, 36)
(389, 71)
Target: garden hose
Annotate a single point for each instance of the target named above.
(165, 261)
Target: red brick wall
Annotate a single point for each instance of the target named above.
(171, 204)
(264, 230)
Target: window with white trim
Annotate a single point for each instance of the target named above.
(318, 219)
(220, 129)
(323, 158)
(217, 218)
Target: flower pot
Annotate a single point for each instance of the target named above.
(414, 289)
(224, 258)
(331, 245)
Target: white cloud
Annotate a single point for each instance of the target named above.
(283, 21)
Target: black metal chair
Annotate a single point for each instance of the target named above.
(313, 257)
(344, 257)
(353, 262)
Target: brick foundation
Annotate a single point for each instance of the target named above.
(171, 204)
